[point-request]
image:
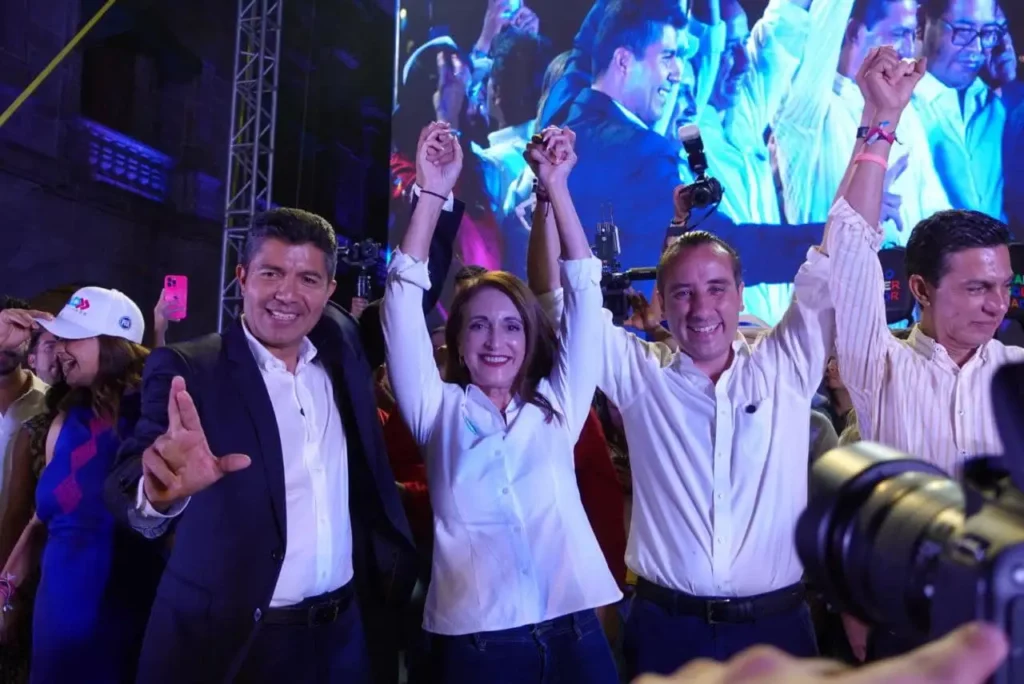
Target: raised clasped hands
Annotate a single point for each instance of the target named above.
(887, 82)
(551, 155)
(438, 159)
(180, 464)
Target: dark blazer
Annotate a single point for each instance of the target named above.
(635, 171)
(229, 542)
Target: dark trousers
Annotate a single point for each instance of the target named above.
(565, 650)
(658, 641)
(332, 653)
(883, 643)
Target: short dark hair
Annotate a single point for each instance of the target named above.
(295, 227)
(867, 13)
(948, 232)
(517, 72)
(467, 273)
(8, 302)
(634, 25)
(697, 238)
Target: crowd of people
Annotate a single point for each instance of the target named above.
(776, 103)
(529, 494)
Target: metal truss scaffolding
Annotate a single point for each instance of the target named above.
(251, 149)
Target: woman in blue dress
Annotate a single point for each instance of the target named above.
(97, 580)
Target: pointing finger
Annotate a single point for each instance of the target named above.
(189, 415)
(173, 415)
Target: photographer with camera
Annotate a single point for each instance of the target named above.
(928, 395)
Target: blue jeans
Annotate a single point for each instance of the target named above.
(564, 650)
(660, 642)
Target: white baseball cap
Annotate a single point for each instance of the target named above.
(93, 311)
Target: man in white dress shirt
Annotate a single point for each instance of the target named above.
(963, 117)
(718, 436)
(261, 449)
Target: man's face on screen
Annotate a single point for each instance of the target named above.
(702, 303)
(734, 64)
(898, 29)
(651, 77)
(952, 59)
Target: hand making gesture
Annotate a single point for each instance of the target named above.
(180, 463)
(16, 327)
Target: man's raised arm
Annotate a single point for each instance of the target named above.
(853, 235)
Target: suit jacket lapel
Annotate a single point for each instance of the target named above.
(254, 396)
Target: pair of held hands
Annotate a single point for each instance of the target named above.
(439, 157)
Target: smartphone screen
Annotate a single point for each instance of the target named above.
(176, 296)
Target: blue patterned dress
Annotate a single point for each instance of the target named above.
(97, 579)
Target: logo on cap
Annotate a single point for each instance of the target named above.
(125, 323)
(79, 303)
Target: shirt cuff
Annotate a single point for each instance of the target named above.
(408, 269)
(146, 509)
(579, 274)
(846, 225)
(553, 303)
(449, 203)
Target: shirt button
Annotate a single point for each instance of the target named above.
(504, 490)
(718, 496)
(257, 615)
(960, 412)
(517, 528)
(719, 540)
(276, 555)
(525, 571)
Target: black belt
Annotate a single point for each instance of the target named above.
(315, 611)
(718, 610)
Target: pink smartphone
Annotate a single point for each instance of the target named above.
(176, 296)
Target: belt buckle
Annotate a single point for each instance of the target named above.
(324, 614)
(709, 610)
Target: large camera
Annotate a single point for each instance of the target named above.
(893, 541)
(705, 191)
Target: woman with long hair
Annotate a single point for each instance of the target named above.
(97, 580)
(517, 571)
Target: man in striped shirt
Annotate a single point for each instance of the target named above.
(930, 395)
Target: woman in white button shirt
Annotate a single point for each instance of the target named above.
(516, 570)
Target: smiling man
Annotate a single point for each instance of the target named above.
(963, 117)
(261, 449)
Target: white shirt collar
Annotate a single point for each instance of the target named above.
(930, 88)
(267, 361)
(630, 115)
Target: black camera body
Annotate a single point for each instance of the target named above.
(895, 542)
(364, 256)
(705, 191)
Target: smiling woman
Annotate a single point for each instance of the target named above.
(516, 566)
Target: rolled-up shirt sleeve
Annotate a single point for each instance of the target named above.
(857, 289)
(411, 368)
(574, 378)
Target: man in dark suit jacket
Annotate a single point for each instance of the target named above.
(625, 165)
(262, 451)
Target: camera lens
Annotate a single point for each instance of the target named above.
(701, 196)
(876, 521)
